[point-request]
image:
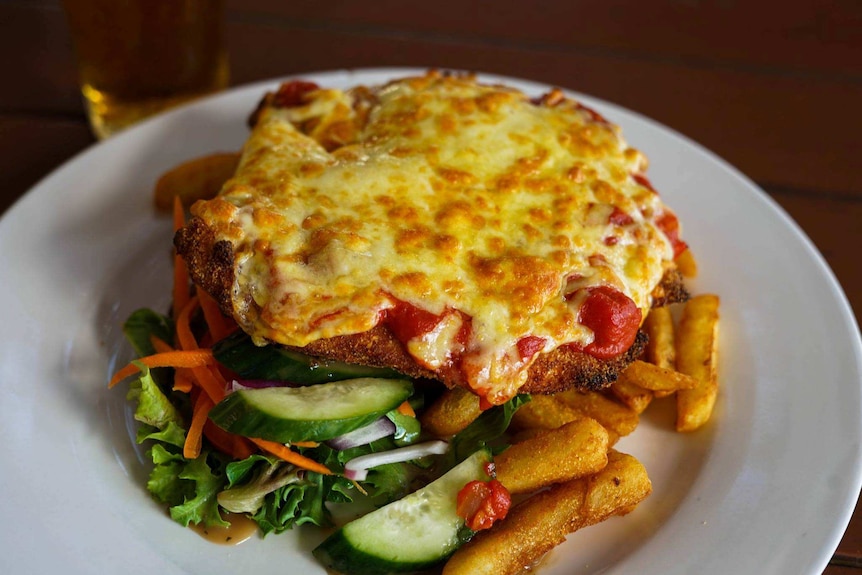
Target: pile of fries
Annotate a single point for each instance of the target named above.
(561, 465)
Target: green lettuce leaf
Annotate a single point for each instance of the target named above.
(154, 408)
(276, 494)
(407, 428)
(172, 434)
(294, 504)
(252, 479)
(486, 429)
(144, 323)
(165, 483)
(203, 506)
(188, 487)
(386, 483)
(279, 496)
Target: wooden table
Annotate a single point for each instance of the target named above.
(774, 88)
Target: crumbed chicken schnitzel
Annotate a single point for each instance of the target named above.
(442, 227)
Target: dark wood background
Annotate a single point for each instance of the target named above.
(775, 88)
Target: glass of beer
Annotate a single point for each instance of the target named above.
(139, 57)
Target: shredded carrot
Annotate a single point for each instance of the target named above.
(406, 409)
(234, 445)
(159, 344)
(181, 272)
(196, 369)
(179, 214)
(206, 339)
(282, 451)
(183, 381)
(304, 443)
(185, 337)
(211, 381)
(191, 358)
(217, 323)
(194, 436)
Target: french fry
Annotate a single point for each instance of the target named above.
(655, 378)
(636, 398)
(697, 339)
(452, 412)
(614, 416)
(686, 264)
(660, 349)
(542, 521)
(576, 449)
(197, 179)
(525, 434)
(543, 412)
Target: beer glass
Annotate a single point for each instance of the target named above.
(139, 57)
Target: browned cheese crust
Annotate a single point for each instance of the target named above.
(210, 264)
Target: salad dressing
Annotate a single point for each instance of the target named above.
(241, 529)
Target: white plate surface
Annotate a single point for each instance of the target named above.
(767, 487)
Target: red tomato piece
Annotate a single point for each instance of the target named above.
(530, 345)
(644, 181)
(614, 319)
(408, 321)
(293, 93)
(620, 218)
(669, 224)
(481, 503)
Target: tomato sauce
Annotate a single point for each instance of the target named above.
(407, 321)
(481, 503)
(644, 181)
(669, 225)
(620, 218)
(529, 346)
(612, 316)
(614, 319)
(292, 94)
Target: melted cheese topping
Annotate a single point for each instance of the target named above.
(445, 194)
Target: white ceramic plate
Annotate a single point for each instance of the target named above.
(767, 487)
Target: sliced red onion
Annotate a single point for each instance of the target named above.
(372, 432)
(238, 384)
(357, 468)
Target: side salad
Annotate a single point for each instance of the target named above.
(233, 428)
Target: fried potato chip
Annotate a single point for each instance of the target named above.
(636, 398)
(613, 415)
(576, 449)
(697, 340)
(686, 264)
(197, 179)
(452, 412)
(655, 378)
(542, 521)
(525, 434)
(660, 349)
(543, 412)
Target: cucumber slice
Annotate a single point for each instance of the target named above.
(413, 533)
(238, 353)
(312, 413)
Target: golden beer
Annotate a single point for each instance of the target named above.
(138, 57)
